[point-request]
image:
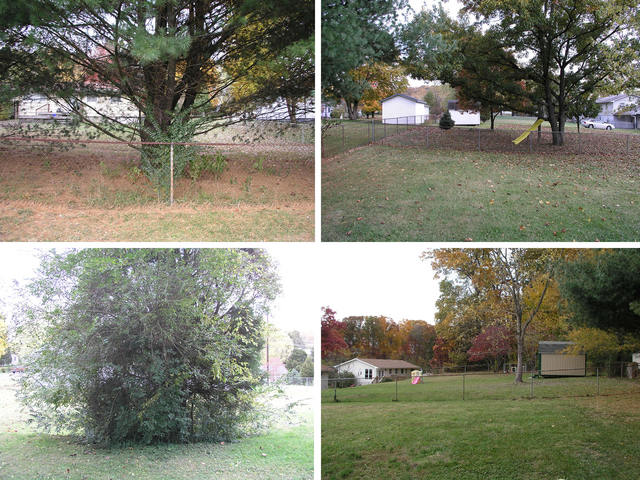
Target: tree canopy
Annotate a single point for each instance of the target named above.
(355, 33)
(137, 345)
(539, 57)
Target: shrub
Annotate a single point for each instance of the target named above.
(216, 165)
(346, 379)
(147, 345)
(387, 379)
(446, 122)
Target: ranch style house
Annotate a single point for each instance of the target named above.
(372, 370)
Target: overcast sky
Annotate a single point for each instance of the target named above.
(367, 279)
(376, 279)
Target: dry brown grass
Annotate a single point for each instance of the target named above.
(95, 194)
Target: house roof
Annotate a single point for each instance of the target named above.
(403, 96)
(383, 363)
(613, 98)
(553, 347)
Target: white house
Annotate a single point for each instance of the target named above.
(620, 110)
(635, 357)
(372, 370)
(403, 109)
(38, 106)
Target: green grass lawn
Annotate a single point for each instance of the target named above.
(381, 193)
(283, 453)
(562, 438)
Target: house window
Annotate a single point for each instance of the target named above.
(368, 373)
(396, 371)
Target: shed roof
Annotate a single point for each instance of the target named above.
(383, 363)
(553, 347)
(403, 96)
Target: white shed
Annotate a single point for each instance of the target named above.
(403, 109)
(372, 370)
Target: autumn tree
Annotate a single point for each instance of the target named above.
(332, 343)
(382, 80)
(493, 344)
(503, 277)
(4, 336)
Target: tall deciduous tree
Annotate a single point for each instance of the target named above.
(332, 342)
(504, 278)
(136, 345)
(562, 49)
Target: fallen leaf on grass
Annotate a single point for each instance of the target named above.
(522, 227)
(359, 218)
(468, 239)
(349, 232)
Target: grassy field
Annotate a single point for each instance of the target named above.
(502, 439)
(380, 193)
(285, 452)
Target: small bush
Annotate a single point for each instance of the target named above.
(216, 165)
(347, 379)
(387, 379)
(446, 122)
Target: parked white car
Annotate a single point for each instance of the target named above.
(597, 124)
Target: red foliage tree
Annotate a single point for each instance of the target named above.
(492, 344)
(332, 341)
(441, 350)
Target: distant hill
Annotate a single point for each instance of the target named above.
(417, 92)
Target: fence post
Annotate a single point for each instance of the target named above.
(530, 143)
(385, 128)
(598, 380)
(627, 144)
(342, 135)
(478, 139)
(373, 130)
(396, 399)
(171, 171)
(369, 131)
(531, 395)
(463, 375)
(335, 390)
(427, 135)
(579, 144)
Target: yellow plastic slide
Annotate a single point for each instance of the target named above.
(536, 124)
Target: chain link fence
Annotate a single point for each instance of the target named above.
(423, 132)
(161, 162)
(613, 379)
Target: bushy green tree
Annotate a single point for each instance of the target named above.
(355, 33)
(147, 345)
(295, 359)
(306, 369)
(603, 290)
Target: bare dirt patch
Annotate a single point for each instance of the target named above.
(98, 194)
